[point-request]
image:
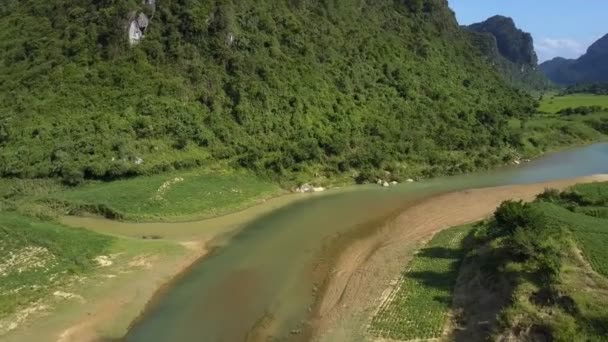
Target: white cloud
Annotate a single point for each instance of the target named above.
(549, 48)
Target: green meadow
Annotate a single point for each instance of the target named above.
(549, 132)
(553, 104)
(173, 196)
(37, 256)
(178, 196)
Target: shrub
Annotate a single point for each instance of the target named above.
(512, 215)
(549, 195)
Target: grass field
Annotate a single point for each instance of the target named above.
(548, 132)
(553, 104)
(418, 307)
(46, 267)
(594, 193)
(177, 196)
(36, 256)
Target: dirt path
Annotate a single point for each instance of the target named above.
(366, 269)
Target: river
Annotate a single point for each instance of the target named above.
(263, 282)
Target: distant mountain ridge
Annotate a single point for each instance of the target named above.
(592, 67)
(510, 49)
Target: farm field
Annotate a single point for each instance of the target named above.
(419, 305)
(588, 222)
(178, 196)
(553, 104)
(549, 132)
(502, 263)
(570, 301)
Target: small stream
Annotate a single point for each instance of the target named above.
(264, 276)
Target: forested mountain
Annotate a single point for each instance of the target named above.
(511, 50)
(106, 89)
(592, 67)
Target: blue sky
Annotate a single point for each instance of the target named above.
(562, 28)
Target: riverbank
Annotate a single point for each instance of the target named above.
(365, 271)
(104, 306)
(311, 224)
(360, 270)
(217, 189)
(102, 303)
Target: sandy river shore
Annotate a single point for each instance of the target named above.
(365, 270)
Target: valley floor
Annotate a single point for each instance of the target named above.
(113, 295)
(145, 256)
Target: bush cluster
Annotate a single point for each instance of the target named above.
(582, 110)
(530, 239)
(587, 88)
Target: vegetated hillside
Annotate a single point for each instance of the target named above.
(283, 88)
(511, 50)
(592, 67)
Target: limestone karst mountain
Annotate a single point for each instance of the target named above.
(511, 50)
(592, 67)
(282, 88)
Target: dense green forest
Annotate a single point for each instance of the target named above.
(282, 88)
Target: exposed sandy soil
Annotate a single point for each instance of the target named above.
(105, 309)
(367, 267)
(106, 313)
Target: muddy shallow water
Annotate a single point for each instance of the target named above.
(262, 283)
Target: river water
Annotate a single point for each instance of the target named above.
(264, 277)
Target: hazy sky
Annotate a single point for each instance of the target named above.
(562, 28)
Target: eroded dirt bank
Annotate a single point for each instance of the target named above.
(365, 270)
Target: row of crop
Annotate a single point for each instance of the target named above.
(419, 305)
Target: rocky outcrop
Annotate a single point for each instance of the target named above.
(137, 28)
(140, 22)
(306, 188)
(510, 50)
(514, 44)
